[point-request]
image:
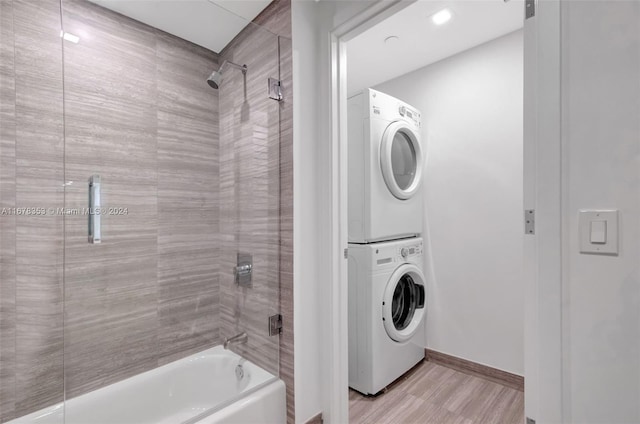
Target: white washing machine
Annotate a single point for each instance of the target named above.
(386, 312)
(385, 168)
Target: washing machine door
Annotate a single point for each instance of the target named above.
(401, 160)
(403, 304)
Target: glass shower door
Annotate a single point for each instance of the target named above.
(170, 185)
(31, 195)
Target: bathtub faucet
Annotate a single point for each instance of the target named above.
(237, 339)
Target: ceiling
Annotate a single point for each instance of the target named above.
(207, 23)
(371, 61)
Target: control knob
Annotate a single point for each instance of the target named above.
(404, 252)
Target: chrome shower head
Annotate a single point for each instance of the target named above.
(215, 78)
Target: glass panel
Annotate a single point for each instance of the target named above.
(403, 160)
(31, 194)
(250, 194)
(189, 179)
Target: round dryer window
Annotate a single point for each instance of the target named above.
(403, 303)
(401, 160)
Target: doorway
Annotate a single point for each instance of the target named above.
(467, 175)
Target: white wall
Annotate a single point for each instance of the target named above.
(315, 389)
(601, 169)
(306, 265)
(471, 108)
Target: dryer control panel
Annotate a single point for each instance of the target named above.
(383, 106)
(409, 113)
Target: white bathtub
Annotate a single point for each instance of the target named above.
(204, 388)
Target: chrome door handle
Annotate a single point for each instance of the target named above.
(95, 235)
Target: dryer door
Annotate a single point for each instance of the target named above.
(401, 160)
(403, 304)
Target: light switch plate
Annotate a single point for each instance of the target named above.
(586, 218)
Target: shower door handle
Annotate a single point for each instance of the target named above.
(95, 235)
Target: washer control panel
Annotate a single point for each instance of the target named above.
(391, 256)
(409, 251)
(409, 113)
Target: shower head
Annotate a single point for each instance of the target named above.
(215, 79)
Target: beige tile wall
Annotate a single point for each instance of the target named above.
(188, 200)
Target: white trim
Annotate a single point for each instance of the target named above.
(544, 192)
(531, 353)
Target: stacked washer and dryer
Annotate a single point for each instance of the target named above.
(386, 281)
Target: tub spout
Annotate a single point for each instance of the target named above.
(237, 339)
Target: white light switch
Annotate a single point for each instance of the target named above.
(598, 231)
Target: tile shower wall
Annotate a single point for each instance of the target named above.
(139, 113)
(188, 190)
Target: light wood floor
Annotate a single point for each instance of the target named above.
(433, 394)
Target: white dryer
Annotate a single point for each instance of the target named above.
(385, 168)
(386, 312)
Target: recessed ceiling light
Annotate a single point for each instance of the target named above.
(442, 17)
(69, 37)
(391, 39)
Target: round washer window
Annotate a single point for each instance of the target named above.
(403, 302)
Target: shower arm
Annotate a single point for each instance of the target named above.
(243, 68)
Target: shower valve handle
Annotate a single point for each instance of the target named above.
(243, 270)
